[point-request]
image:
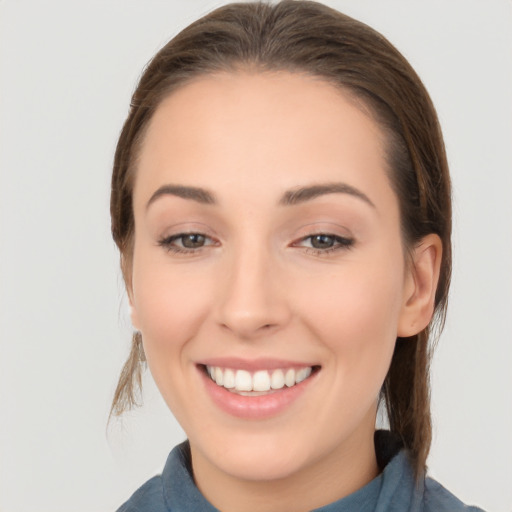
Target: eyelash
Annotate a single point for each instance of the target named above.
(168, 243)
(339, 243)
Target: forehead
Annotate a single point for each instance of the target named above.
(259, 130)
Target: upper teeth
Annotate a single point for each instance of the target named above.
(262, 380)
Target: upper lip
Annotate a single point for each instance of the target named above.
(263, 363)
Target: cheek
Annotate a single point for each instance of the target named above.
(170, 302)
(355, 313)
(359, 298)
(171, 306)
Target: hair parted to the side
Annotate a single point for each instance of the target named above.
(308, 37)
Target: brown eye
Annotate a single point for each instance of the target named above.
(192, 240)
(322, 241)
(186, 242)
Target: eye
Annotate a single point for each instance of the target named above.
(186, 242)
(192, 240)
(322, 243)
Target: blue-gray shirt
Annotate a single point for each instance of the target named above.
(395, 489)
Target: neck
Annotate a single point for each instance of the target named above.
(342, 472)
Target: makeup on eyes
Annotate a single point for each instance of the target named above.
(321, 227)
(186, 243)
(319, 243)
(325, 243)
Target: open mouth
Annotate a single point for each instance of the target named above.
(260, 382)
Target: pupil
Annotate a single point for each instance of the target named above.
(192, 241)
(322, 241)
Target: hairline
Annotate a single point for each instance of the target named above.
(355, 96)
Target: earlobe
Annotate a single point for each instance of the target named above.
(420, 286)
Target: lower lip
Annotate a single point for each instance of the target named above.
(254, 407)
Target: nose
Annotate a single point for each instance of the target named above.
(253, 300)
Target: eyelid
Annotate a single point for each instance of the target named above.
(323, 228)
(185, 228)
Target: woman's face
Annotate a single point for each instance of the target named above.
(267, 251)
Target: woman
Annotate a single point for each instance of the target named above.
(281, 202)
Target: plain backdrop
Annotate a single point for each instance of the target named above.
(67, 72)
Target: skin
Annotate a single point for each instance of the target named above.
(258, 288)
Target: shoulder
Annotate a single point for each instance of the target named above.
(174, 489)
(439, 499)
(401, 490)
(148, 498)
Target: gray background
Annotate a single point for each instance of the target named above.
(67, 71)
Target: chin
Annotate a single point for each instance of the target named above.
(260, 457)
(256, 465)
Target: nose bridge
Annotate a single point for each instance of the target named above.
(253, 300)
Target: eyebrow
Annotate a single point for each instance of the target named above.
(303, 194)
(289, 198)
(197, 194)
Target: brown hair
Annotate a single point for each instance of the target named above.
(307, 37)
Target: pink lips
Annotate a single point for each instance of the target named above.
(253, 407)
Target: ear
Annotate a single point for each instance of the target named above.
(422, 276)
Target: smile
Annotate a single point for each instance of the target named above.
(253, 383)
(257, 389)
